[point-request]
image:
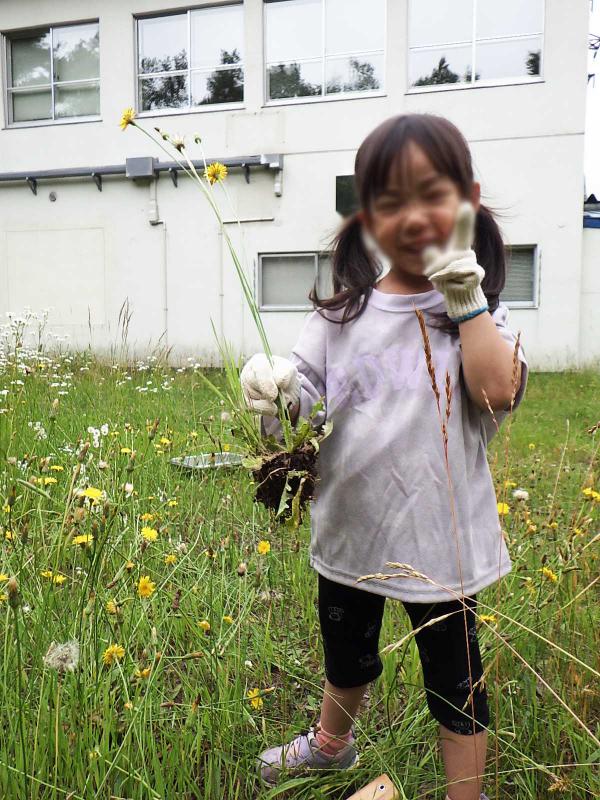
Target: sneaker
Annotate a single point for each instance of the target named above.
(303, 755)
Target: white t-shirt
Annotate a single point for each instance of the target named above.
(383, 492)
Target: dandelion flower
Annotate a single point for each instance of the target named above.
(129, 565)
(509, 484)
(171, 558)
(228, 619)
(114, 652)
(520, 494)
(143, 673)
(57, 468)
(204, 624)
(503, 508)
(48, 481)
(215, 172)
(3, 577)
(84, 539)
(491, 618)
(146, 587)
(255, 700)
(63, 657)
(531, 445)
(127, 118)
(150, 534)
(93, 493)
(146, 517)
(263, 547)
(588, 491)
(125, 450)
(55, 577)
(164, 440)
(547, 573)
(112, 607)
(172, 503)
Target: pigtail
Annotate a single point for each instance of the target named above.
(354, 271)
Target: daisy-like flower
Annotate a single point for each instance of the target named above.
(127, 118)
(178, 141)
(263, 547)
(55, 577)
(547, 573)
(204, 624)
(171, 558)
(146, 587)
(503, 508)
(215, 172)
(114, 652)
(84, 539)
(255, 699)
(63, 657)
(150, 534)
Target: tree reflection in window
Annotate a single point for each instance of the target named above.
(363, 78)
(285, 81)
(443, 74)
(225, 85)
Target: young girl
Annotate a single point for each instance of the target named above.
(383, 492)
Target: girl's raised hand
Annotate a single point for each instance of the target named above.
(454, 271)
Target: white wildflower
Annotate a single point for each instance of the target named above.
(520, 494)
(63, 657)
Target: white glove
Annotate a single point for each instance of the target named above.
(454, 271)
(261, 383)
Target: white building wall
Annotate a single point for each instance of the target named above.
(590, 299)
(526, 140)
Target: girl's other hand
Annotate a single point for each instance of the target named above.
(262, 382)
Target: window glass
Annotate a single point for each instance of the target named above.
(354, 74)
(509, 17)
(508, 59)
(76, 52)
(76, 99)
(287, 279)
(31, 105)
(519, 286)
(30, 60)
(217, 36)
(170, 91)
(443, 65)
(295, 80)
(293, 30)
(162, 43)
(325, 279)
(440, 21)
(218, 86)
(354, 25)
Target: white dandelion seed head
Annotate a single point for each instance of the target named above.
(63, 657)
(520, 494)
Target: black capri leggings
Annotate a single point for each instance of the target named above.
(350, 622)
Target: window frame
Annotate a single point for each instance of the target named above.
(169, 112)
(322, 98)
(7, 38)
(535, 302)
(474, 84)
(317, 254)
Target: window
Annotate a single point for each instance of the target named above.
(285, 279)
(53, 73)
(474, 41)
(520, 289)
(323, 47)
(191, 59)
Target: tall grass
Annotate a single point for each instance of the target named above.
(224, 657)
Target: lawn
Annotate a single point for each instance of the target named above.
(193, 619)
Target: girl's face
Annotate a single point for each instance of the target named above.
(403, 220)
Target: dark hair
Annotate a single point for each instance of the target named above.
(355, 269)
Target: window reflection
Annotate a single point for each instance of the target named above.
(301, 62)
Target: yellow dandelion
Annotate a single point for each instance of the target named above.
(145, 586)
(125, 450)
(263, 547)
(127, 118)
(128, 706)
(8, 535)
(531, 528)
(164, 440)
(588, 491)
(228, 619)
(503, 508)
(92, 493)
(204, 624)
(3, 597)
(553, 525)
(129, 565)
(83, 539)
(3, 577)
(255, 699)
(6, 508)
(143, 673)
(48, 481)
(578, 531)
(114, 652)
(596, 496)
(531, 445)
(491, 618)
(509, 484)
(547, 573)
(215, 172)
(112, 607)
(150, 534)
(54, 577)
(171, 558)
(193, 434)
(226, 448)
(57, 468)
(172, 503)
(147, 517)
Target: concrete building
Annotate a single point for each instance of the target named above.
(283, 92)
